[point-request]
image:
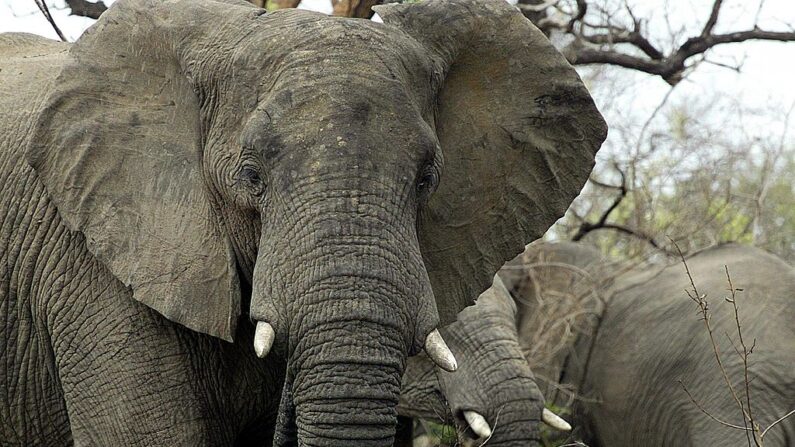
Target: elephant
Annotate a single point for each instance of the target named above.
(639, 345)
(492, 373)
(191, 179)
(652, 352)
(484, 339)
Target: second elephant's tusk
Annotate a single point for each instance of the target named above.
(263, 339)
(439, 353)
(477, 423)
(554, 421)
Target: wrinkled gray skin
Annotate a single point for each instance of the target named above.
(187, 165)
(649, 338)
(493, 378)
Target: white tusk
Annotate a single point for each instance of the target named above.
(439, 353)
(263, 339)
(477, 423)
(554, 421)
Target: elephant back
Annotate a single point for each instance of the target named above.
(652, 342)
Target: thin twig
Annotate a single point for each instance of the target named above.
(713, 18)
(744, 356)
(710, 415)
(46, 11)
(701, 301)
(776, 422)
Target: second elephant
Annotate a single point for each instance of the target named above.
(642, 343)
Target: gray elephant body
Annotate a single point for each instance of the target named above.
(651, 343)
(491, 370)
(187, 164)
(641, 340)
(637, 340)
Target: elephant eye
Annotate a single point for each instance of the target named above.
(428, 181)
(250, 177)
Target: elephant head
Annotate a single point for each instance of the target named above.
(493, 396)
(346, 184)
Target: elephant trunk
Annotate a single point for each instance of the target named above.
(348, 397)
(494, 393)
(348, 303)
(343, 377)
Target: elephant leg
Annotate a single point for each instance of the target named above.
(32, 407)
(129, 376)
(127, 379)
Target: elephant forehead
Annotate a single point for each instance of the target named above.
(299, 47)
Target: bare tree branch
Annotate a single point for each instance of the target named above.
(713, 18)
(672, 67)
(602, 224)
(776, 422)
(744, 356)
(633, 37)
(595, 43)
(710, 415)
(703, 306)
(46, 11)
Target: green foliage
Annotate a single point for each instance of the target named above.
(445, 434)
(271, 6)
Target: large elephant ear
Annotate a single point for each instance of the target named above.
(519, 132)
(118, 146)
